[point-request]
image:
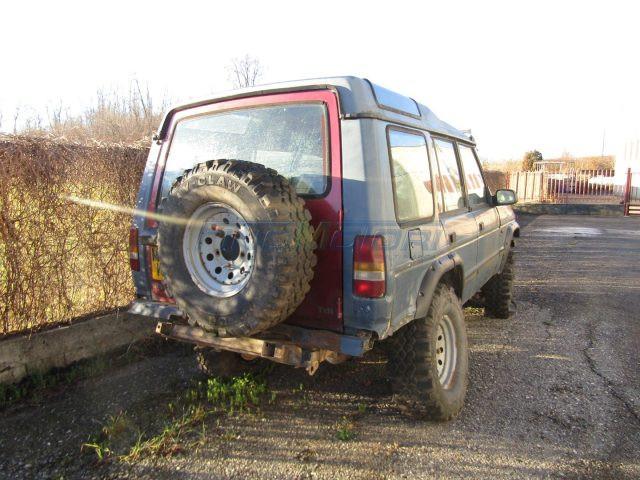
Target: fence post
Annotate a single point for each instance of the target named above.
(627, 193)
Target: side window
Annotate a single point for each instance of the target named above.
(437, 186)
(449, 176)
(411, 175)
(472, 176)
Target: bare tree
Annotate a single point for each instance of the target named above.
(144, 107)
(55, 116)
(245, 71)
(15, 120)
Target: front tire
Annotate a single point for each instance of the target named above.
(429, 360)
(498, 291)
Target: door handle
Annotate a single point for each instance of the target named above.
(452, 237)
(481, 226)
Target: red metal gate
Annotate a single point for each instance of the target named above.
(632, 193)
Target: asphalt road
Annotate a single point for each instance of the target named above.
(554, 391)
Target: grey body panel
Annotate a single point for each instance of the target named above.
(489, 243)
(460, 226)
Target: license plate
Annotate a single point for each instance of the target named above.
(155, 266)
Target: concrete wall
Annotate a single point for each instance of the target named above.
(24, 355)
(570, 209)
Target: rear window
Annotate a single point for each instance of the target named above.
(289, 138)
(411, 175)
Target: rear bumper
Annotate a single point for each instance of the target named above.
(306, 338)
(161, 311)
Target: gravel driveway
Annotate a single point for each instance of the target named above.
(554, 391)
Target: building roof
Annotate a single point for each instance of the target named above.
(359, 98)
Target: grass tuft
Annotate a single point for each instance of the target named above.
(345, 430)
(183, 426)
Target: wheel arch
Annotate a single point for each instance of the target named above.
(516, 234)
(448, 269)
(513, 231)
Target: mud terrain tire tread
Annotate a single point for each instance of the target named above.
(287, 265)
(412, 368)
(498, 291)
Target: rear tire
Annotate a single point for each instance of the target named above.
(419, 384)
(498, 291)
(226, 364)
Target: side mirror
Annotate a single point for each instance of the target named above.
(505, 197)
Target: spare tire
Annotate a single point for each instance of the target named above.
(235, 247)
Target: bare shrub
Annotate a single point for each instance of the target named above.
(596, 162)
(128, 117)
(59, 260)
(495, 179)
(507, 166)
(245, 71)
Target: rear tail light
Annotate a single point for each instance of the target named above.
(134, 253)
(368, 266)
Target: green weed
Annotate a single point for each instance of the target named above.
(238, 394)
(100, 449)
(184, 425)
(169, 441)
(115, 425)
(229, 435)
(345, 430)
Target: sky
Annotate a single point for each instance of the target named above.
(549, 75)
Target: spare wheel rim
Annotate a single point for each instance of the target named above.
(219, 249)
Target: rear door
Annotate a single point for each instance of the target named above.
(264, 129)
(458, 222)
(486, 216)
(413, 197)
(322, 307)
